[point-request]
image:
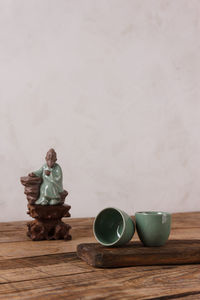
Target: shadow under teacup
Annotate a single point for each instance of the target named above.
(153, 227)
(113, 227)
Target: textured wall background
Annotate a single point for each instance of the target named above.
(113, 86)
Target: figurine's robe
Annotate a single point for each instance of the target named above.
(51, 186)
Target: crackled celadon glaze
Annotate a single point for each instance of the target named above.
(153, 227)
(51, 186)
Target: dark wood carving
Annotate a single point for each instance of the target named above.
(174, 252)
(47, 224)
(32, 188)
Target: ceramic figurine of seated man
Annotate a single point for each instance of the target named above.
(51, 189)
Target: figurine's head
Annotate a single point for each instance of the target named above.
(51, 158)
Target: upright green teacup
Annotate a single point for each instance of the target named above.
(153, 227)
(113, 227)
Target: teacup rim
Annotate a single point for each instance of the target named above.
(120, 212)
(153, 213)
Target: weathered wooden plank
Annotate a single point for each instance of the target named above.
(2, 280)
(186, 220)
(125, 283)
(30, 248)
(185, 233)
(48, 269)
(33, 248)
(135, 254)
(41, 267)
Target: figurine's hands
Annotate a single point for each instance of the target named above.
(47, 172)
(32, 174)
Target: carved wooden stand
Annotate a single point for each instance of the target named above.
(47, 224)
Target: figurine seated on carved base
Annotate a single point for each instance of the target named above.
(46, 196)
(51, 189)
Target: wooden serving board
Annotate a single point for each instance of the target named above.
(135, 254)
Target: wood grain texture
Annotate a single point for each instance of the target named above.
(48, 223)
(174, 252)
(32, 187)
(51, 270)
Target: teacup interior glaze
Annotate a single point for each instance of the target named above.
(109, 226)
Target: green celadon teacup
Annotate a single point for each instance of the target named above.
(153, 227)
(113, 227)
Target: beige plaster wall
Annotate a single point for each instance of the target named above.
(113, 86)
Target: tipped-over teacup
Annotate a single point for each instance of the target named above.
(113, 227)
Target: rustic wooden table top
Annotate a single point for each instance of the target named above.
(51, 269)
